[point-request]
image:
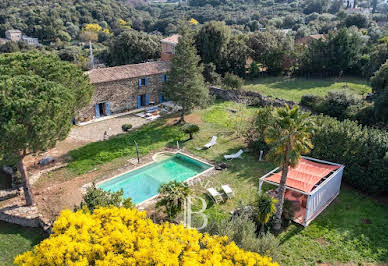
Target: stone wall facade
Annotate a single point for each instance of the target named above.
(248, 97)
(122, 95)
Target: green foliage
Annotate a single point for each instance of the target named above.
(126, 127)
(380, 87)
(185, 84)
(40, 95)
(95, 197)
(268, 245)
(272, 50)
(338, 104)
(236, 56)
(361, 149)
(232, 81)
(289, 136)
(190, 129)
(150, 137)
(312, 101)
(380, 79)
(132, 47)
(315, 6)
(338, 53)
(210, 75)
(172, 196)
(376, 58)
(266, 208)
(357, 20)
(242, 231)
(255, 134)
(212, 43)
(58, 20)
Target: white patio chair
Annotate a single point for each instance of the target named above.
(228, 191)
(234, 156)
(211, 143)
(215, 195)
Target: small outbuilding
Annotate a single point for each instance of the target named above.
(311, 186)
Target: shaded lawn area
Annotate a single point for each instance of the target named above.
(15, 240)
(294, 88)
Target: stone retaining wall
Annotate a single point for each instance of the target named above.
(21, 215)
(8, 193)
(248, 97)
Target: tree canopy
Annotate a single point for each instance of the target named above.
(185, 84)
(39, 95)
(380, 87)
(132, 47)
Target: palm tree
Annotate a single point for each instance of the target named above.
(288, 138)
(172, 196)
(266, 206)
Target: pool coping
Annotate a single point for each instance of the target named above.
(154, 161)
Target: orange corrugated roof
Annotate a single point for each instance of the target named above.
(305, 175)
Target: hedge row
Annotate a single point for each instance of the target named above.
(363, 151)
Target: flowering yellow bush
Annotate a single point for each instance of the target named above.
(193, 21)
(93, 27)
(119, 236)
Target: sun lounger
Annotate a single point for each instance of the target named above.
(211, 143)
(153, 117)
(215, 195)
(228, 191)
(234, 156)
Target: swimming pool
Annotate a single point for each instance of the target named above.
(143, 183)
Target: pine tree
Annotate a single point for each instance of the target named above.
(185, 84)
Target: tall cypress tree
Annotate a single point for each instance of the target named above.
(185, 84)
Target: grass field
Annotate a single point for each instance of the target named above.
(294, 88)
(15, 240)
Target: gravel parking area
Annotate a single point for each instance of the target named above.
(80, 136)
(95, 131)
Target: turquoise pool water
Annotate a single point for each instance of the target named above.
(143, 183)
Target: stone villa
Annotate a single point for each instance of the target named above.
(17, 35)
(123, 88)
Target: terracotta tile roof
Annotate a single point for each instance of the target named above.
(172, 39)
(100, 75)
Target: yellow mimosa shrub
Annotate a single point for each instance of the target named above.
(119, 236)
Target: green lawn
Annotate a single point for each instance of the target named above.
(15, 240)
(294, 88)
(150, 137)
